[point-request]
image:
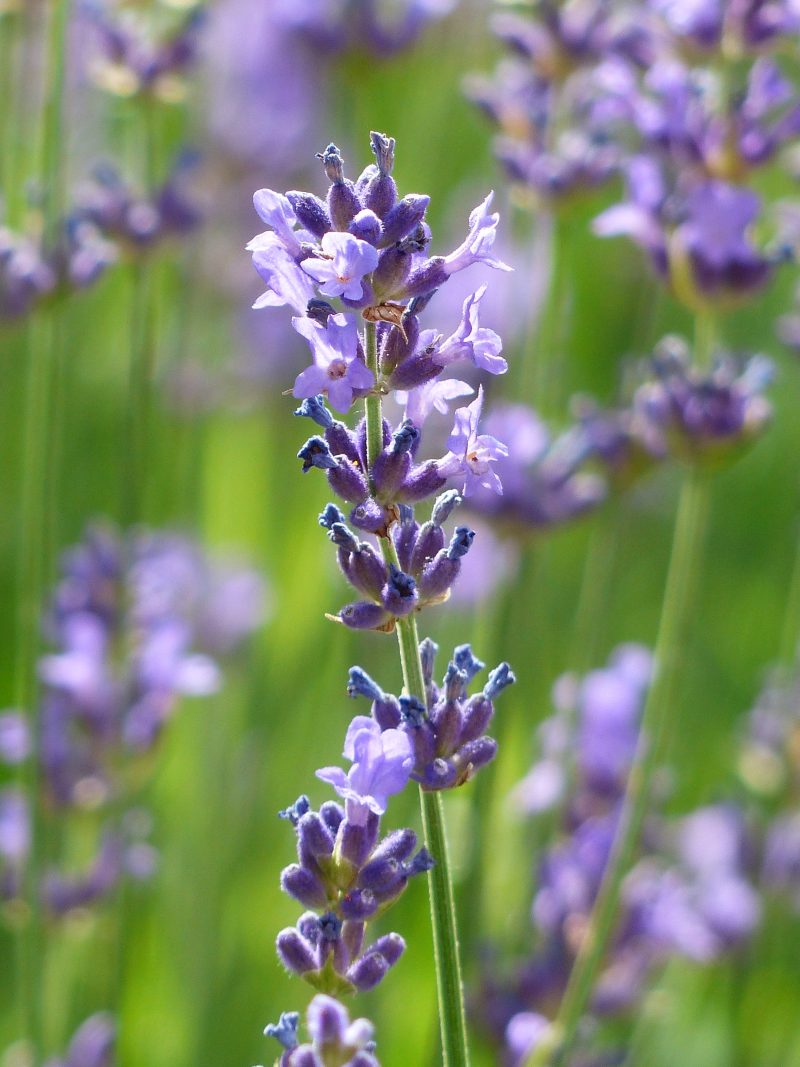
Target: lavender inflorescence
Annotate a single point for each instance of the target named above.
(367, 247)
(136, 621)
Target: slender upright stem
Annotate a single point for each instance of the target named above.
(447, 959)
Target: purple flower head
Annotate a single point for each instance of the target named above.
(337, 370)
(382, 765)
(472, 341)
(332, 1034)
(471, 453)
(345, 260)
(15, 740)
(477, 246)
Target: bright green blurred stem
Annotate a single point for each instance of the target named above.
(787, 653)
(446, 952)
(39, 462)
(542, 368)
(660, 707)
(10, 22)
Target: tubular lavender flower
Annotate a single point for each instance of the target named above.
(367, 247)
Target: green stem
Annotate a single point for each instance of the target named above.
(659, 708)
(446, 952)
(787, 652)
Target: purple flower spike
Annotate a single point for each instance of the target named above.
(346, 261)
(477, 247)
(337, 370)
(382, 765)
(473, 453)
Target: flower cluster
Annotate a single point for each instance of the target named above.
(334, 1039)
(380, 27)
(136, 622)
(690, 893)
(445, 727)
(143, 52)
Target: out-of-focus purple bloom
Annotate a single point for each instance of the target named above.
(433, 395)
(332, 1035)
(14, 827)
(750, 24)
(472, 454)
(15, 740)
(525, 1032)
(382, 764)
(338, 371)
(25, 276)
(92, 1045)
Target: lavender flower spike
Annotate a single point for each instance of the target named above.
(345, 261)
(337, 370)
(473, 453)
(477, 246)
(382, 765)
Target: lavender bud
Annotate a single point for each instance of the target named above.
(447, 723)
(421, 863)
(367, 571)
(397, 347)
(404, 535)
(381, 192)
(343, 204)
(460, 543)
(427, 652)
(311, 212)
(364, 615)
(332, 814)
(455, 683)
(329, 516)
(474, 755)
(353, 937)
(304, 885)
(478, 713)
(342, 442)
(403, 218)
(467, 662)
(438, 576)
(313, 408)
(444, 506)
(330, 927)
(285, 1030)
(294, 952)
(357, 906)
(369, 515)
(383, 876)
(415, 371)
(314, 837)
(390, 946)
(296, 811)
(430, 540)
(368, 971)
(499, 678)
(392, 270)
(360, 684)
(386, 713)
(426, 278)
(366, 226)
(347, 481)
(398, 845)
(399, 595)
(315, 453)
(343, 537)
(423, 481)
(413, 711)
(357, 842)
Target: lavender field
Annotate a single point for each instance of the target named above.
(400, 550)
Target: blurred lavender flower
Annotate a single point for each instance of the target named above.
(25, 275)
(690, 893)
(705, 416)
(136, 621)
(741, 25)
(93, 1044)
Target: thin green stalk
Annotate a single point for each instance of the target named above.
(542, 367)
(446, 952)
(790, 632)
(659, 707)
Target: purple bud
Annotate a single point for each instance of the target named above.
(383, 876)
(313, 408)
(455, 683)
(478, 713)
(381, 192)
(461, 542)
(314, 837)
(422, 862)
(390, 946)
(403, 218)
(438, 576)
(353, 937)
(343, 203)
(430, 540)
(332, 815)
(393, 268)
(304, 885)
(400, 592)
(366, 226)
(404, 535)
(392, 465)
(315, 453)
(342, 442)
(396, 347)
(360, 684)
(444, 506)
(397, 845)
(311, 213)
(423, 481)
(327, 1022)
(369, 515)
(447, 723)
(329, 516)
(427, 653)
(357, 842)
(413, 711)
(296, 811)
(368, 571)
(364, 615)
(415, 371)
(358, 905)
(386, 712)
(344, 538)
(368, 972)
(425, 279)
(475, 754)
(285, 1030)
(499, 678)
(466, 661)
(347, 481)
(294, 952)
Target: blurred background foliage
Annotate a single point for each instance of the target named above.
(200, 976)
